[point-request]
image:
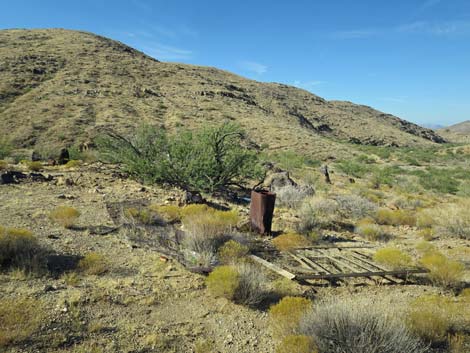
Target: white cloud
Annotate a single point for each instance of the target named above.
(253, 66)
(436, 28)
(308, 84)
(166, 52)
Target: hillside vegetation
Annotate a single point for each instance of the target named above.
(60, 87)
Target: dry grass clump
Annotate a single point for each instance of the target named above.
(354, 206)
(232, 251)
(426, 218)
(73, 163)
(353, 325)
(371, 231)
(19, 249)
(425, 247)
(430, 317)
(206, 231)
(143, 216)
(395, 217)
(442, 270)
(284, 317)
(170, 213)
(290, 241)
(393, 258)
(243, 284)
(93, 264)
(317, 212)
(66, 216)
(454, 220)
(297, 344)
(291, 196)
(19, 319)
(426, 233)
(3, 165)
(34, 166)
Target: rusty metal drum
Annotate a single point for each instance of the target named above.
(261, 211)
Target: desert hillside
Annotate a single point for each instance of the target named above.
(457, 133)
(60, 87)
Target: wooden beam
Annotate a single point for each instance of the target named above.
(273, 267)
(361, 274)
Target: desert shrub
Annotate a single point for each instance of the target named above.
(66, 216)
(395, 217)
(206, 160)
(429, 317)
(290, 160)
(34, 166)
(170, 213)
(385, 176)
(353, 326)
(291, 196)
(93, 264)
(207, 231)
(195, 209)
(284, 317)
(425, 247)
(73, 163)
(3, 165)
(426, 233)
(317, 213)
(438, 180)
(19, 319)
(454, 220)
(232, 251)
(297, 344)
(393, 258)
(5, 148)
(372, 231)
(243, 284)
(442, 270)
(353, 206)
(284, 287)
(426, 218)
(144, 216)
(290, 241)
(352, 168)
(19, 249)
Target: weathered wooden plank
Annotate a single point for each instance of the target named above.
(305, 261)
(361, 274)
(339, 262)
(365, 266)
(370, 266)
(273, 267)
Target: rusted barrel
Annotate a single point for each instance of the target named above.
(261, 211)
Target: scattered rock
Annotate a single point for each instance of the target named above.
(64, 156)
(192, 197)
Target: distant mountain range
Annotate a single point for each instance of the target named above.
(60, 87)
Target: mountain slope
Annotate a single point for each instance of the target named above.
(457, 133)
(60, 87)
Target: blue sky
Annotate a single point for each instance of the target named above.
(409, 58)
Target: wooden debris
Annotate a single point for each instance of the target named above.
(273, 267)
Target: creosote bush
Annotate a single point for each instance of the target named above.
(393, 258)
(352, 326)
(442, 270)
(205, 160)
(232, 251)
(66, 216)
(395, 217)
(290, 241)
(93, 264)
(284, 317)
(19, 249)
(297, 344)
(19, 319)
(243, 284)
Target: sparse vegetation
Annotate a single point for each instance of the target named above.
(3, 165)
(232, 251)
(297, 344)
(243, 284)
(291, 196)
(20, 318)
(290, 241)
(93, 264)
(5, 148)
(395, 217)
(19, 249)
(34, 166)
(442, 270)
(284, 317)
(393, 258)
(371, 231)
(357, 326)
(66, 216)
(73, 163)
